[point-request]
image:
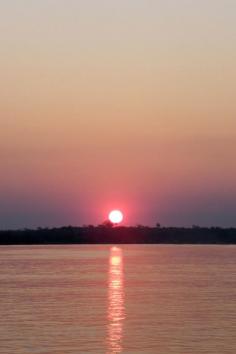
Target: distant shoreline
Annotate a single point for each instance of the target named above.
(120, 235)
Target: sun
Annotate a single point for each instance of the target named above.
(115, 216)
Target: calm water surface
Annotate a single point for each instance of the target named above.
(126, 299)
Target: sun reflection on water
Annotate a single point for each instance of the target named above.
(116, 310)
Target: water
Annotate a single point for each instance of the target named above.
(127, 299)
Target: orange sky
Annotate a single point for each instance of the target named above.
(108, 104)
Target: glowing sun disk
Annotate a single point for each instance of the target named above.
(115, 216)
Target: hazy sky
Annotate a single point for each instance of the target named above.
(125, 104)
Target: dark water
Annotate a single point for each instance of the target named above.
(126, 299)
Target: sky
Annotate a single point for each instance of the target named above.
(117, 104)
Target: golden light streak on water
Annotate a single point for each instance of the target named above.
(116, 308)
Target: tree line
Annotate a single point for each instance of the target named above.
(107, 234)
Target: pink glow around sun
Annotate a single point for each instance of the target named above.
(116, 216)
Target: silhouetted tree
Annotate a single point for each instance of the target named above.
(107, 224)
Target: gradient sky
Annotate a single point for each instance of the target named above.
(125, 104)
